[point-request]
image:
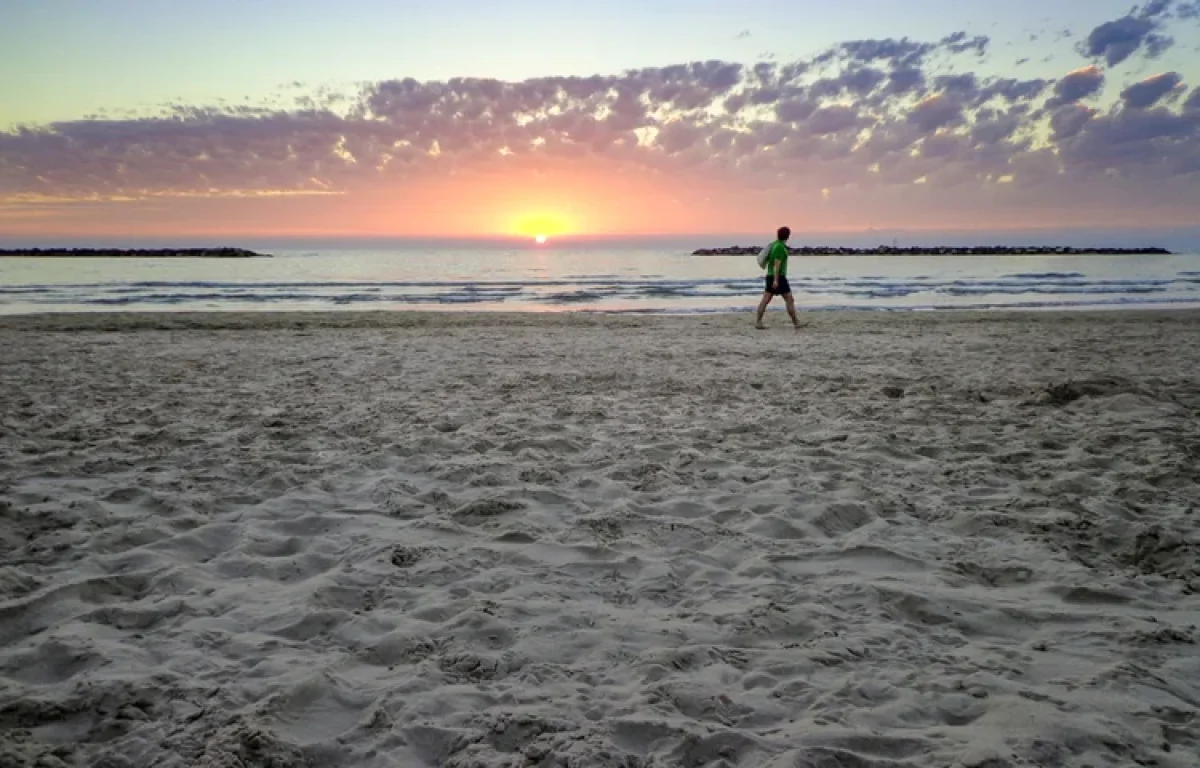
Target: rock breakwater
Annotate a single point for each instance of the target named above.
(145, 253)
(974, 250)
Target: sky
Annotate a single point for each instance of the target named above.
(366, 118)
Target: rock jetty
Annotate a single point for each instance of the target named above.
(945, 250)
(143, 253)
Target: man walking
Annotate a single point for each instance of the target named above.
(776, 282)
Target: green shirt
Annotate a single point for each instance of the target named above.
(777, 259)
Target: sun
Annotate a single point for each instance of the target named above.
(538, 224)
(540, 239)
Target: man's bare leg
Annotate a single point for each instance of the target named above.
(762, 308)
(790, 301)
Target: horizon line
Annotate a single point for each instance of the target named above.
(577, 237)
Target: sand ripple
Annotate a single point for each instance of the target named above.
(953, 540)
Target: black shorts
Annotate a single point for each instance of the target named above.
(783, 288)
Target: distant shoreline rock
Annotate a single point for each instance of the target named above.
(974, 250)
(143, 253)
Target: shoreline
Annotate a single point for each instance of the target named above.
(382, 319)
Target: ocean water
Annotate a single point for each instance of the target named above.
(658, 279)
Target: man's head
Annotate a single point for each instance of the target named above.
(783, 233)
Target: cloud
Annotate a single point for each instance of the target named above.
(834, 119)
(1154, 143)
(795, 110)
(1067, 122)
(897, 120)
(959, 42)
(1148, 92)
(902, 53)
(1013, 90)
(995, 130)
(935, 112)
(1140, 30)
(906, 80)
(1077, 86)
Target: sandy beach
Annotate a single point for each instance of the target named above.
(891, 540)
